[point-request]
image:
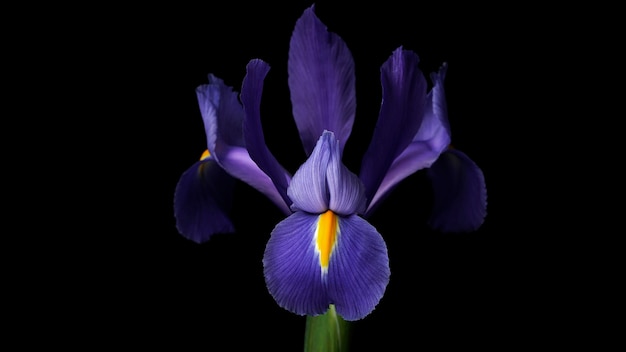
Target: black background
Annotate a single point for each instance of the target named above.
(129, 279)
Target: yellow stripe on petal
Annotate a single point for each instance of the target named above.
(326, 237)
(205, 154)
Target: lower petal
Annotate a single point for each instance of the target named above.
(358, 272)
(202, 198)
(292, 267)
(460, 194)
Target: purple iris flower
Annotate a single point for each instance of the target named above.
(325, 252)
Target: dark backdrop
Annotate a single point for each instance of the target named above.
(139, 283)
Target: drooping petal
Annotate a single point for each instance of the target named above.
(223, 118)
(432, 138)
(460, 193)
(291, 266)
(251, 92)
(312, 261)
(321, 82)
(358, 272)
(401, 113)
(308, 189)
(202, 199)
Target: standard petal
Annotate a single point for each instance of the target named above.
(308, 189)
(292, 267)
(358, 272)
(460, 193)
(321, 82)
(222, 115)
(432, 138)
(251, 92)
(401, 113)
(202, 199)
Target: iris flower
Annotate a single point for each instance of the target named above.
(325, 252)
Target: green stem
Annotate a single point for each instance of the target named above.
(327, 332)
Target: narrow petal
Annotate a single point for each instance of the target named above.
(432, 138)
(291, 266)
(321, 82)
(401, 113)
(223, 117)
(460, 193)
(251, 92)
(237, 162)
(202, 199)
(358, 272)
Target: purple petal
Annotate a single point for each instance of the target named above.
(323, 182)
(308, 189)
(222, 115)
(460, 194)
(347, 194)
(202, 199)
(251, 92)
(401, 113)
(292, 267)
(432, 138)
(358, 272)
(223, 118)
(321, 82)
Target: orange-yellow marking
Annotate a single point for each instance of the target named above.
(205, 154)
(327, 227)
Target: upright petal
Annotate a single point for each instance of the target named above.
(291, 266)
(308, 189)
(323, 182)
(222, 115)
(223, 118)
(346, 191)
(460, 193)
(202, 200)
(401, 113)
(358, 272)
(321, 82)
(432, 138)
(251, 92)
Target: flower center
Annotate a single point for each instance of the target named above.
(326, 236)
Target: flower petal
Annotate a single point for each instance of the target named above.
(222, 115)
(292, 267)
(432, 138)
(402, 109)
(358, 272)
(460, 194)
(251, 92)
(308, 189)
(354, 280)
(347, 194)
(202, 199)
(321, 82)
(223, 122)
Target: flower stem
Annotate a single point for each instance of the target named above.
(327, 332)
